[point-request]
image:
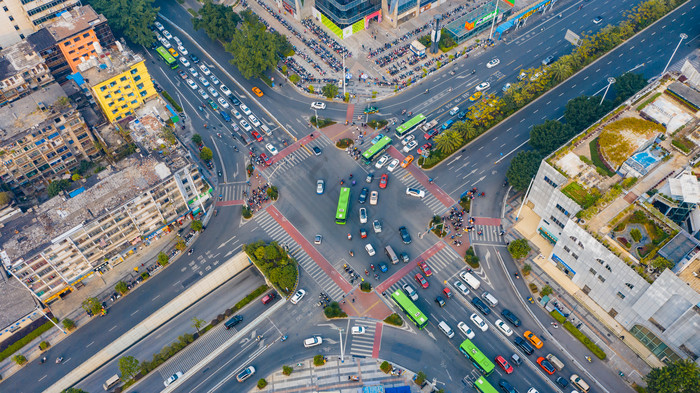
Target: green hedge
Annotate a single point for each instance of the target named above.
(252, 296)
(579, 335)
(171, 101)
(394, 319)
(9, 351)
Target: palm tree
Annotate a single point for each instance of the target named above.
(467, 130)
(448, 141)
(559, 71)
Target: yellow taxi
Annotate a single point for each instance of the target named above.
(406, 161)
(173, 52)
(257, 92)
(475, 96)
(533, 339)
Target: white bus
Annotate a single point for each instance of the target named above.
(112, 382)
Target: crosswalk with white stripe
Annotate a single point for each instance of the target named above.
(362, 345)
(445, 263)
(430, 200)
(490, 234)
(232, 191)
(296, 157)
(278, 234)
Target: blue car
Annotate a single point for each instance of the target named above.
(377, 138)
(383, 267)
(447, 124)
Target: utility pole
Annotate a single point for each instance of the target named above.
(611, 80)
(493, 23)
(683, 36)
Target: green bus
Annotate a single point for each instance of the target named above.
(167, 57)
(477, 357)
(376, 149)
(483, 386)
(414, 313)
(341, 214)
(410, 125)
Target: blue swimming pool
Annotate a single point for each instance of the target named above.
(645, 159)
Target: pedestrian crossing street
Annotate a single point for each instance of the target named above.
(231, 191)
(430, 200)
(278, 234)
(490, 234)
(296, 157)
(445, 263)
(363, 344)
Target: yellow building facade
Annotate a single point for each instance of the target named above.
(119, 95)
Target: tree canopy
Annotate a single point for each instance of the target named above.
(128, 366)
(217, 20)
(129, 18)
(206, 154)
(677, 377)
(57, 186)
(627, 85)
(550, 135)
(523, 168)
(582, 111)
(519, 248)
(330, 90)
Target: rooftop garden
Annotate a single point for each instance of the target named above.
(620, 139)
(584, 197)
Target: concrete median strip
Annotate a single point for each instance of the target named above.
(210, 282)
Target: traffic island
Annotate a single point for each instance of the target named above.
(365, 304)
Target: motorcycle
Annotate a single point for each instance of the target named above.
(517, 275)
(589, 359)
(531, 300)
(352, 254)
(473, 72)
(43, 360)
(59, 359)
(284, 338)
(349, 238)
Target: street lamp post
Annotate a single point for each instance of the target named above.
(342, 348)
(611, 80)
(683, 36)
(316, 115)
(494, 21)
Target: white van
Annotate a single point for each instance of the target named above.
(470, 280)
(391, 255)
(446, 329)
(490, 299)
(112, 382)
(579, 383)
(265, 129)
(555, 362)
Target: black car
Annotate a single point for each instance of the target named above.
(548, 60)
(462, 115)
(507, 314)
(194, 58)
(523, 345)
(316, 150)
(561, 381)
(233, 321)
(478, 303)
(235, 100)
(363, 195)
(506, 387)
(404, 235)
(440, 301)
(404, 257)
(369, 177)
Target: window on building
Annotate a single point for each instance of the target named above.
(16, 27)
(559, 223)
(550, 182)
(123, 78)
(21, 37)
(137, 78)
(620, 295)
(654, 344)
(561, 209)
(5, 8)
(76, 39)
(600, 261)
(139, 86)
(567, 249)
(607, 267)
(593, 272)
(630, 286)
(103, 88)
(134, 71)
(86, 35)
(134, 102)
(11, 18)
(574, 255)
(143, 93)
(81, 47)
(601, 278)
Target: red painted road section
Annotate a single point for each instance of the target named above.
(422, 178)
(309, 249)
(409, 266)
(230, 203)
(289, 149)
(377, 340)
(350, 113)
(487, 221)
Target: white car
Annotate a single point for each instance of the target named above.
(222, 101)
(465, 329)
(318, 105)
(313, 341)
(461, 288)
(245, 125)
(177, 40)
(191, 84)
(493, 63)
(172, 378)
(407, 139)
(503, 327)
(203, 81)
(245, 374)
(236, 114)
(320, 186)
(506, 87)
(254, 120)
(245, 109)
(410, 146)
(376, 226)
(204, 69)
(392, 165)
(382, 160)
(479, 322)
(536, 76)
(159, 26)
(483, 86)
(214, 93)
(358, 330)
(167, 34)
(533, 390)
(271, 149)
(203, 94)
(184, 61)
(166, 43)
(370, 249)
(373, 197)
(410, 292)
(415, 192)
(454, 111)
(193, 71)
(214, 79)
(225, 90)
(298, 295)
(363, 215)
(182, 50)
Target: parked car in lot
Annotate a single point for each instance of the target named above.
(376, 226)
(373, 197)
(363, 216)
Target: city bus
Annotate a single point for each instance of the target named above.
(412, 311)
(167, 57)
(483, 386)
(477, 357)
(376, 149)
(405, 128)
(341, 213)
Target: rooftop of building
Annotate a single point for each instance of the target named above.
(75, 21)
(41, 40)
(113, 62)
(17, 58)
(103, 192)
(17, 302)
(29, 111)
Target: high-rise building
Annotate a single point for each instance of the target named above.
(22, 71)
(346, 17)
(20, 18)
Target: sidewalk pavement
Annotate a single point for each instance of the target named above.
(627, 355)
(334, 376)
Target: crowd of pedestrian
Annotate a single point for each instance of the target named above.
(258, 196)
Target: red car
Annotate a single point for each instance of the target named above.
(504, 364)
(546, 365)
(425, 269)
(425, 148)
(431, 134)
(256, 136)
(265, 158)
(383, 181)
(363, 233)
(421, 281)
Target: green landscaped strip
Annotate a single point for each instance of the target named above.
(580, 195)
(9, 351)
(599, 353)
(597, 159)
